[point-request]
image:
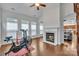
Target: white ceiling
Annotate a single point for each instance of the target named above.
(24, 8)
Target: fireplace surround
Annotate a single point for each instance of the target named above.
(51, 36)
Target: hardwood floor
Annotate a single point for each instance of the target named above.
(44, 49)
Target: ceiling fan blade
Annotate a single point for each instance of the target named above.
(42, 5)
(37, 8)
(32, 5)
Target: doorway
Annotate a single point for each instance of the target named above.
(70, 30)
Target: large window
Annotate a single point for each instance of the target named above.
(33, 28)
(12, 27)
(41, 28)
(25, 26)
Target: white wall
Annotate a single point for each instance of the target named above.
(50, 15)
(66, 8)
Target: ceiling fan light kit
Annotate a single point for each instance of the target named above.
(38, 5)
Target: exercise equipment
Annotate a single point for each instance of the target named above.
(8, 38)
(22, 49)
(17, 39)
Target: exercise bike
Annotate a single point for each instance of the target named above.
(23, 49)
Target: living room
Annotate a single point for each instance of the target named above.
(44, 24)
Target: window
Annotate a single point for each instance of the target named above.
(33, 28)
(25, 26)
(41, 29)
(12, 27)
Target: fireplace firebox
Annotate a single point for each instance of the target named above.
(50, 37)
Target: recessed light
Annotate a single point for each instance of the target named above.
(12, 8)
(34, 15)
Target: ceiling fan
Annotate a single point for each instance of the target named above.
(38, 5)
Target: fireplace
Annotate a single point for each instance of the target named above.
(50, 37)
